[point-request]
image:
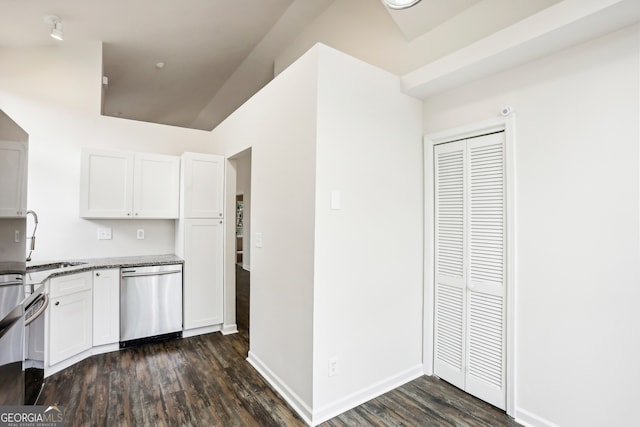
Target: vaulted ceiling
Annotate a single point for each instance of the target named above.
(201, 43)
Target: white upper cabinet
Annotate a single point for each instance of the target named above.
(202, 186)
(129, 185)
(156, 189)
(13, 179)
(106, 184)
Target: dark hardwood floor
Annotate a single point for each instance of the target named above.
(206, 381)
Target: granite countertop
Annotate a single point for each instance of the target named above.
(89, 264)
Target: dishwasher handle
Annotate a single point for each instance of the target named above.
(133, 273)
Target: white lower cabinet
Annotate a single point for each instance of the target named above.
(200, 243)
(106, 306)
(70, 316)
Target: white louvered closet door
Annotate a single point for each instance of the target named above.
(470, 264)
(450, 278)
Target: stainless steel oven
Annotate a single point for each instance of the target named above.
(34, 308)
(11, 339)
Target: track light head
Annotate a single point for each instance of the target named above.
(56, 31)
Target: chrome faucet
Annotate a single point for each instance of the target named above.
(32, 246)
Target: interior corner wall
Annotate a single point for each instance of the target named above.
(54, 95)
(368, 251)
(279, 125)
(577, 185)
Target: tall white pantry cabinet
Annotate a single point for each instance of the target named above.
(200, 241)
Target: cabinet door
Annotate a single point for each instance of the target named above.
(203, 272)
(13, 179)
(106, 306)
(156, 191)
(202, 185)
(70, 317)
(106, 184)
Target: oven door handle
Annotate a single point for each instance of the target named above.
(41, 310)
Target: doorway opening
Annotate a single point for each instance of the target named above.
(242, 240)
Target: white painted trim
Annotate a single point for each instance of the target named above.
(246, 267)
(281, 387)
(492, 125)
(50, 370)
(511, 218)
(107, 348)
(358, 398)
(200, 331)
(229, 329)
(429, 262)
(528, 419)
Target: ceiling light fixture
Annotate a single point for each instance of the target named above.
(56, 31)
(400, 4)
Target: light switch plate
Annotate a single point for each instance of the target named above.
(104, 233)
(336, 202)
(258, 240)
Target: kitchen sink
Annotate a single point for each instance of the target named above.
(53, 266)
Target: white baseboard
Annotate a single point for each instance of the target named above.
(229, 329)
(100, 349)
(358, 398)
(106, 348)
(287, 394)
(200, 331)
(528, 419)
(50, 370)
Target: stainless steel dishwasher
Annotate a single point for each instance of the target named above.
(150, 303)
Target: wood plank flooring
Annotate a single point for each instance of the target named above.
(206, 381)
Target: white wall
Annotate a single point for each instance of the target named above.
(325, 284)
(577, 222)
(278, 124)
(67, 75)
(54, 95)
(243, 186)
(368, 254)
